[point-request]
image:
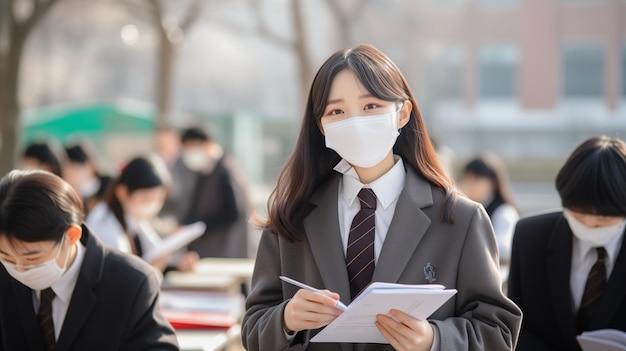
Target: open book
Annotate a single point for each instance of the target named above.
(357, 323)
(602, 340)
(174, 241)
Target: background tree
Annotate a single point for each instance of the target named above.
(18, 18)
(171, 33)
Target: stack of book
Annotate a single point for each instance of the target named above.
(193, 309)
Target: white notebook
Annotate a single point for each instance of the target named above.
(602, 340)
(357, 323)
(175, 241)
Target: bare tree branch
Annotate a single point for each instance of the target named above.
(193, 12)
(40, 9)
(141, 9)
(264, 30)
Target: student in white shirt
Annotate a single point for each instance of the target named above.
(134, 198)
(485, 180)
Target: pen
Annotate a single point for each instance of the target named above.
(338, 303)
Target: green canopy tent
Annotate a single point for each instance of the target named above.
(92, 121)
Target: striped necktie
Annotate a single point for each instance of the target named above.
(360, 251)
(594, 289)
(45, 318)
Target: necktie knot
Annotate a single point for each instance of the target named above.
(367, 198)
(47, 294)
(601, 253)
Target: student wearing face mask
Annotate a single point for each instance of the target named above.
(485, 180)
(60, 288)
(133, 199)
(568, 268)
(81, 172)
(363, 198)
(209, 187)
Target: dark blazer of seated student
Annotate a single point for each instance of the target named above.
(104, 300)
(553, 253)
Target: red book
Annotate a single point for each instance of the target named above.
(186, 309)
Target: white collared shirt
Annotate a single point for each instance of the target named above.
(584, 256)
(63, 289)
(387, 189)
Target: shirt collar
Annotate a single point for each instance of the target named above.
(387, 188)
(612, 247)
(64, 287)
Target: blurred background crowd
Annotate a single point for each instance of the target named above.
(98, 83)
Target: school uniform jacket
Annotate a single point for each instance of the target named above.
(463, 254)
(539, 282)
(114, 306)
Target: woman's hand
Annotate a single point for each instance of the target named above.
(188, 261)
(405, 333)
(309, 310)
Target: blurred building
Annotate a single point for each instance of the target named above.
(528, 78)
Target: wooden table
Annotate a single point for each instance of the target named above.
(208, 339)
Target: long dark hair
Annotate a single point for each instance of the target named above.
(37, 206)
(311, 163)
(139, 173)
(490, 166)
(593, 179)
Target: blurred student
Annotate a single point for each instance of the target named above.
(568, 268)
(209, 187)
(81, 172)
(40, 155)
(133, 199)
(60, 288)
(167, 145)
(486, 181)
(363, 198)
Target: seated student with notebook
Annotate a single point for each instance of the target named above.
(60, 288)
(133, 199)
(568, 268)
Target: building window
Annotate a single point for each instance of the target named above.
(583, 70)
(497, 71)
(444, 74)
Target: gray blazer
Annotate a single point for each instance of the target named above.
(464, 256)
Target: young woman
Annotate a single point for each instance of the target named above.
(132, 200)
(364, 166)
(485, 180)
(568, 268)
(60, 287)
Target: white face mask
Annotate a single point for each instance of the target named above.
(41, 276)
(599, 236)
(195, 160)
(363, 141)
(145, 212)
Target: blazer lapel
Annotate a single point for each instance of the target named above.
(28, 318)
(322, 231)
(83, 299)
(558, 265)
(406, 230)
(615, 292)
